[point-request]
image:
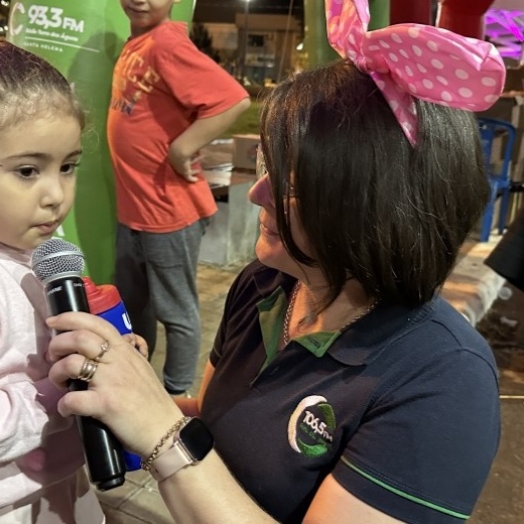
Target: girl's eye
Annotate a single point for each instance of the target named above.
(69, 168)
(26, 172)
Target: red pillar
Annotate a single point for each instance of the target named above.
(465, 17)
(414, 11)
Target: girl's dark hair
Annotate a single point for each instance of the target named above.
(29, 85)
(373, 207)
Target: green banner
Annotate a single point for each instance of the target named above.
(183, 11)
(82, 39)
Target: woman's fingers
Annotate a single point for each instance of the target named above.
(82, 341)
(84, 403)
(82, 333)
(125, 394)
(76, 320)
(66, 369)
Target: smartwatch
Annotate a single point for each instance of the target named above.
(191, 444)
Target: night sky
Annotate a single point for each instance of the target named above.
(225, 10)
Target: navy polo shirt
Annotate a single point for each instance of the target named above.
(402, 407)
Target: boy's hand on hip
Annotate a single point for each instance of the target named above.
(186, 167)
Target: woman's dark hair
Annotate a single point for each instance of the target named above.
(29, 85)
(373, 207)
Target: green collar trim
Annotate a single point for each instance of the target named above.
(318, 343)
(272, 311)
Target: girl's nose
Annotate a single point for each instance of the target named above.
(260, 194)
(53, 193)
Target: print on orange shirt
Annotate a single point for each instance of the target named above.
(142, 82)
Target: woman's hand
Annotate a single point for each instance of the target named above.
(123, 392)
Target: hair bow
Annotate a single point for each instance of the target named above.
(415, 60)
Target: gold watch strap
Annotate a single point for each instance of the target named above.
(170, 462)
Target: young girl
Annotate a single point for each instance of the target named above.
(41, 474)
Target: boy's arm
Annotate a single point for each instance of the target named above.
(197, 135)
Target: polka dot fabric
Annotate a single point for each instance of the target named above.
(415, 60)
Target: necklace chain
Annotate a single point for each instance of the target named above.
(291, 305)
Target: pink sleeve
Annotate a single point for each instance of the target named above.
(27, 416)
(27, 398)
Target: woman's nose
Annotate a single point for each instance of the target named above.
(260, 193)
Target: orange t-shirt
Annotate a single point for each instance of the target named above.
(161, 84)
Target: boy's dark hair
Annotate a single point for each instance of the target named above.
(372, 206)
(29, 85)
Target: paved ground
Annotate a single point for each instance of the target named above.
(503, 499)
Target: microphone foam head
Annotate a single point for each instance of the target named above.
(56, 257)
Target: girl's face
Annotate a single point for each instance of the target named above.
(269, 247)
(38, 160)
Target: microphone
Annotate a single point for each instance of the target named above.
(59, 266)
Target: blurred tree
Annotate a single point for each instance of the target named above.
(203, 40)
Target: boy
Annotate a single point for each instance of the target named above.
(168, 101)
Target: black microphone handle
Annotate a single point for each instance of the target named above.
(103, 452)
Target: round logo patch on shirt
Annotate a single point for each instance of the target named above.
(311, 426)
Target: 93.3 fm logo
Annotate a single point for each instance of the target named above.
(42, 17)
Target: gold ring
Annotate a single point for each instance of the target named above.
(88, 370)
(104, 348)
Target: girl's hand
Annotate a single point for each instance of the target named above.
(138, 342)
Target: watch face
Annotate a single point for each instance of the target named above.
(196, 438)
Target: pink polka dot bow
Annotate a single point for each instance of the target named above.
(407, 60)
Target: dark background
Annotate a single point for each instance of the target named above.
(223, 11)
